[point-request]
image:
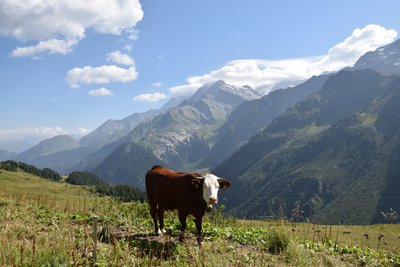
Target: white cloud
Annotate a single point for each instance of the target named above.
(100, 75)
(23, 132)
(42, 132)
(259, 72)
(100, 92)
(182, 90)
(347, 52)
(52, 46)
(50, 22)
(133, 34)
(120, 58)
(150, 97)
(156, 84)
(128, 47)
(80, 131)
(256, 72)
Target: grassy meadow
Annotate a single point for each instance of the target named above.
(45, 223)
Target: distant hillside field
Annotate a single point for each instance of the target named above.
(22, 185)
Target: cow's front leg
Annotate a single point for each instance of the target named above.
(200, 238)
(182, 219)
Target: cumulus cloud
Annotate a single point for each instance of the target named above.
(100, 92)
(150, 97)
(256, 72)
(120, 58)
(100, 75)
(59, 25)
(182, 90)
(267, 73)
(346, 53)
(52, 46)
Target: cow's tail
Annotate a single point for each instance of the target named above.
(149, 190)
(148, 185)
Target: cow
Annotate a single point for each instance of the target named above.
(189, 193)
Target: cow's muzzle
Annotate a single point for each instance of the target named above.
(213, 201)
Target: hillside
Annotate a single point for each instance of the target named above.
(252, 116)
(334, 153)
(112, 130)
(128, 164)
(5, 155)
(47, 147)
(19, 184)
(65, 161)
(384, 59)
(64, 154)
(51, 224)
(180, 136)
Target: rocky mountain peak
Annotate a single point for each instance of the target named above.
(214, 88)
(385, 59)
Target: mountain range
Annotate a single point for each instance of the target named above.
(47, 147)
(4, 155)
(251, 116)
(328, 144)
(335, 154)
(182, 135)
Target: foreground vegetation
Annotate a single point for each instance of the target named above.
(46, 223)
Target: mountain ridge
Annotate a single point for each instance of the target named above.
(49, 146)
(251, 116)
(299, 156)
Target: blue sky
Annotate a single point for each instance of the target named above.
(68, 66)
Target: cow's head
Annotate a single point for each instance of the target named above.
(211, 184)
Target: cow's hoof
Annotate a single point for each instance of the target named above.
(161, 232)
(200, 241)
(209, 208)
(181, 238)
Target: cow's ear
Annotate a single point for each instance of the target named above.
(223, 183)
(197, 182)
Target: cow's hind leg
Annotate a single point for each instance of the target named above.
(182, 219)
(160, 214)
(153, 212)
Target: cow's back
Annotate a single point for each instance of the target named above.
(172, 190)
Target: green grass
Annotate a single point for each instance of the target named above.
(364, 236)
(25, 186)
(45, 223)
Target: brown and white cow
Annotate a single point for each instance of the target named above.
(189, 193)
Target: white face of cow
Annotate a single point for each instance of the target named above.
(210, 189)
